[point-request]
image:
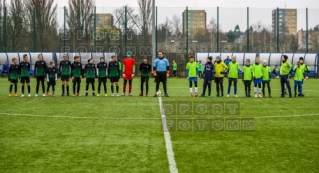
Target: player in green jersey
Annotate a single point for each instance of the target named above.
(247, 77)
(90, 72)
(220, 70)
(25, 67)
(304, 66)
(299, 78)
(52, 76)
(40, 68)
(13, 76)
(192, 75)
(266, 78)
(114, 74)
(64, 69)
(145, 69)
(257, 70)
(101, 71)
(285, 70)
(76, 74)
(233, 68)
(174, 64)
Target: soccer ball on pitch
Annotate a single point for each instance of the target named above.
(158, 93)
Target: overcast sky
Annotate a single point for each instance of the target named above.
(231, 13)
(211, 3)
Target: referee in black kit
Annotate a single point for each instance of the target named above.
(161, 72)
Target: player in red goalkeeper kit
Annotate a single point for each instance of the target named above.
(128, 72)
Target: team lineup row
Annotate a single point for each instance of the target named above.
(258, 72)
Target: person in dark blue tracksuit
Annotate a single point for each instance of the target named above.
(208, 76)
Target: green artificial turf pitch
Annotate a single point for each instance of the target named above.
(124, 134)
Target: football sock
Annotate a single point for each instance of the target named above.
(222, 89)
(104, 84)
(99, 88)
(124, 89)
(43, 87)
(78, 88)
(63, 89)
(67, 89)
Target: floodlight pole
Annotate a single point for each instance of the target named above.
(153, 32)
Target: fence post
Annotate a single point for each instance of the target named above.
(247, 29)
(217, 35)
(125, 29)
(64, 23)
(156, 32)
(5, 29)
(94, 30)
(307, 32)
(34, 30)
(186, 32)
(277, 28)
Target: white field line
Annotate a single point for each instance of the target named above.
(287, 116)
(72, 117)
(168, 142)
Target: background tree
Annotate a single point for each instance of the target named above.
(212, 30)
(2, 5)
(314, 35)
(231, 36)
(163, 33)
(176, 26)
(80, 18)
(18, 37)
(45, 14)
(145, 10)
(130, 18)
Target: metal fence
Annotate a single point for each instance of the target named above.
(179, 31)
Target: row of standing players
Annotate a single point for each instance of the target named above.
(113, 71)
(258, 72)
